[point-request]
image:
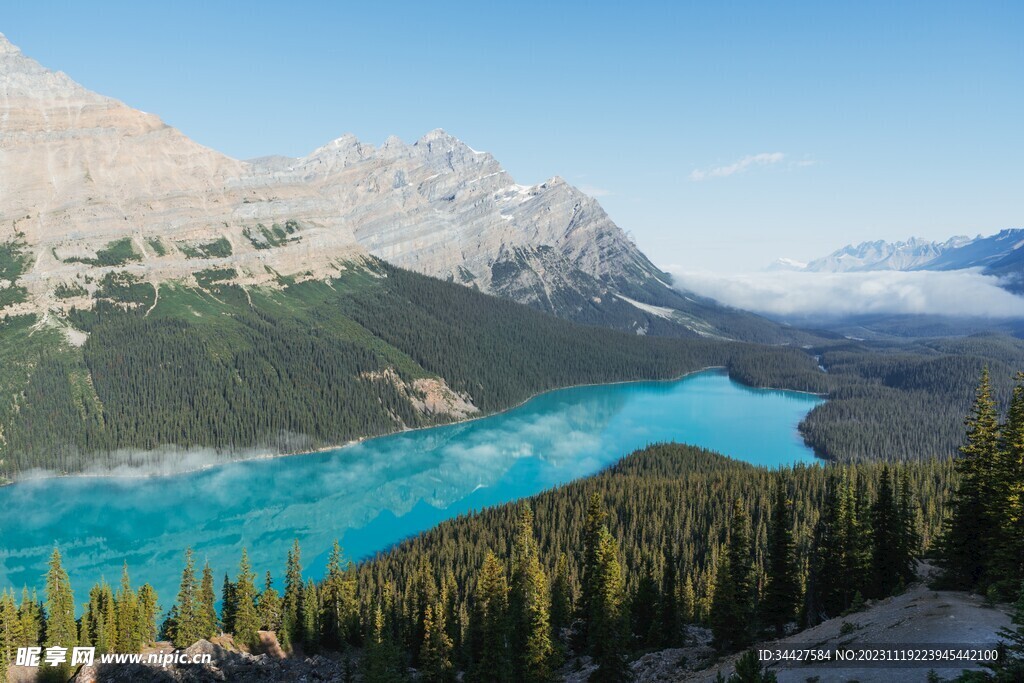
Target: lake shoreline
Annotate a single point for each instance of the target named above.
(266, 455)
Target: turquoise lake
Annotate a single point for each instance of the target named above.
(375, 493)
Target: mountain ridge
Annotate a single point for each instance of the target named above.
(102, 188)
(998, 255)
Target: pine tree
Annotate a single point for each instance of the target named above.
(1009, 555)
(887, 562)
(148, 609)
(965, 542)
(382, 662)
(228, 604)
(182, 625)
(97, 627)
(732, 604)
(61, 627)
(607, 629)
(595, 519)
(910, 538)
(856, 538)
(529, 606)
(436, 656)
(30, 618)
(207, 604)
(270, 607)
(293, 589)
(490, 628)
(337, 597)
(645, 609)
(781, 597)
(9, 632)
(688, 602)
(247, 621)
(129, 636)
(310, 616)
(561, 596)
(670, 610)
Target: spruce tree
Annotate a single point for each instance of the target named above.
(182, 625)
(9, 635)
(561, 596)
(781, 597)
(595, 519)
(247, 621)
(910, 537)
(489, 626)
(887, 563)
(207, 603)
(97, 627)
(129, 635)
(1009, 555)
(856, 538)
(608, 627)
(966, 539)
(228, 604)
(61, 627)
(293, 589)
(645, 610)
(529, 606)
(436, 656)
(382, 662)
(310, 616)
(270, 607)
(148, 609)
(688, 602)
(732, 604)
(670, 610)
(824, 594)
(338, 601)
(30, 618)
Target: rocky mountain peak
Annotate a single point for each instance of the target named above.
(84, 173)
(7, 47)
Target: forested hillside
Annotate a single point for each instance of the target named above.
(312, 364)
(378, 349)
(900, 401)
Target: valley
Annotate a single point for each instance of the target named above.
(383, 413)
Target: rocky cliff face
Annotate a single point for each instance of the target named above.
(92, 186)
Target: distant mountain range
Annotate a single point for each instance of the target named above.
(1000, 255)
(92, 186)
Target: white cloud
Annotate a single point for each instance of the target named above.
(960, 292)
(763, 159)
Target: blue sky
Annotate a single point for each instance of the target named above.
(721, 135)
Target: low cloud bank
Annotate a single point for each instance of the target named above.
(952, 293)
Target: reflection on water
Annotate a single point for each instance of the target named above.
(375, 493)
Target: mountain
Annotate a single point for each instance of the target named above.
(94, 186)
(998, 254)
(882, 255)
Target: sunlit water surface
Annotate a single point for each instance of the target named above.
(373, 494)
